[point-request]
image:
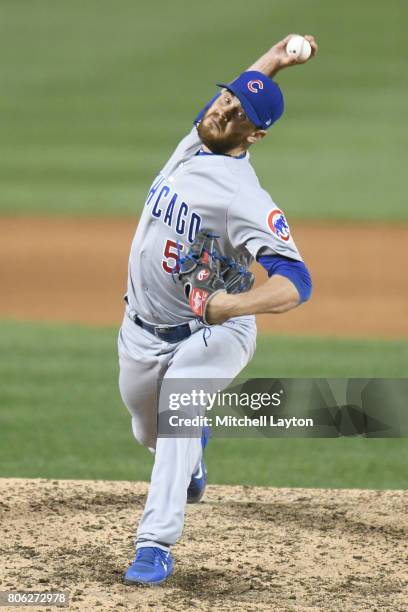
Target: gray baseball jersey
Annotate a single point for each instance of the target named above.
(197, 190)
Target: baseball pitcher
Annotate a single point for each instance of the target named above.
(190, 304)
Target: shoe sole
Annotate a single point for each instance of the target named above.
(145, 583)
(196, 500)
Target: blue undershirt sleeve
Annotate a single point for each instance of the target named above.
(295, 271)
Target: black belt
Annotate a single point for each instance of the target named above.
(168, 333)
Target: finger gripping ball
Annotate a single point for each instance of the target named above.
(299, 47)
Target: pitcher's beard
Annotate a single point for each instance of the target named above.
(217, 142)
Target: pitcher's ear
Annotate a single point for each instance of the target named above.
(255, 136)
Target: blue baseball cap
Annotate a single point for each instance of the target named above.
(260, 97)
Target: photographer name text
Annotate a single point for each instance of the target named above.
(235, 421)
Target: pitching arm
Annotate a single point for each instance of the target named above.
(276, 58)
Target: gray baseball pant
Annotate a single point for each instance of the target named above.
(145, 361)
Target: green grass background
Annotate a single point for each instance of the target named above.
(95, 94)
(62, 417)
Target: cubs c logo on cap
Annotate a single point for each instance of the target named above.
(278, 225)
(255, 86)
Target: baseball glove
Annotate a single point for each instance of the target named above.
(205, 271)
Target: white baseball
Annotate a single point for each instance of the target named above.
(299, 47)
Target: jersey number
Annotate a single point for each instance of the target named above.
(171, 251)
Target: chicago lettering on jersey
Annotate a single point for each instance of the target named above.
(167, 205)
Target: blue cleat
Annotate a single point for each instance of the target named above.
(151, 566)
(198, 481)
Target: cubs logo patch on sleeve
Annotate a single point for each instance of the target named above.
(278, 225)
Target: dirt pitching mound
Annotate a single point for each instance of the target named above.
(244, 548)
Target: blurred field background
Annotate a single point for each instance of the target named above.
(93, 97)
(62, 416)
